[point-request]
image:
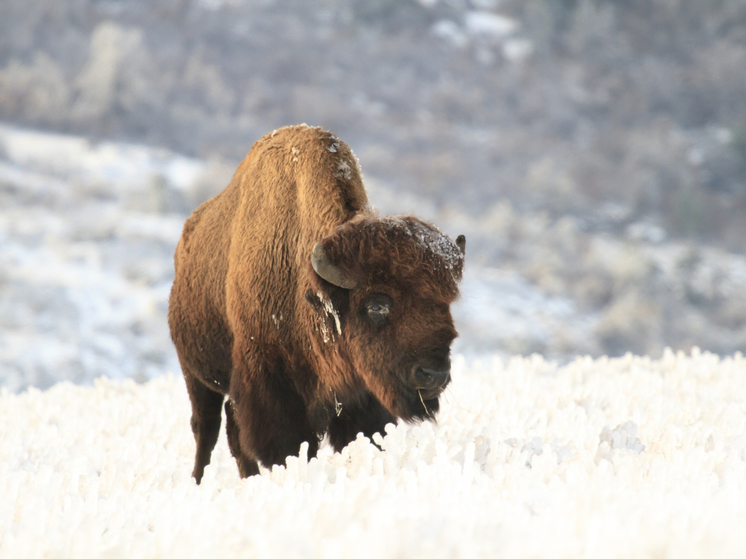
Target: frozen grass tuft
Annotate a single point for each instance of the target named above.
(628, 457)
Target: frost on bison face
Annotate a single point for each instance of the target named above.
(393, 319)
(311, 313)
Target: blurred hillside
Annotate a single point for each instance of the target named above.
(597, 148)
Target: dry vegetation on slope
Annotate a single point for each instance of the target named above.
(563, 127)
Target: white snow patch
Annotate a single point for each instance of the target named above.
(105, 471)
(324, 331)
(621, 437)
(114, 163)
(277, 320)
(501, 311)
(516, 50)
(87, 259)
(489, 24)
(450, 31)
(438, 244)
(343, 170)
(331, 311)
(646, 232)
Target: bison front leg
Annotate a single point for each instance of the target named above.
(206, 408)
(246, 466)
(270, 417)
(366, 417)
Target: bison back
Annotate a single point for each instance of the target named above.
(241, 262)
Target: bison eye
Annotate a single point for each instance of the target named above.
(378, 308)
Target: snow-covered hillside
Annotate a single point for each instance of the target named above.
(88, 230)
(86, 253)
(87, 235)
(627, 457)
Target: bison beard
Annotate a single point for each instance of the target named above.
(312, 314)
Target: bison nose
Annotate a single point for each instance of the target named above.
(431, 380)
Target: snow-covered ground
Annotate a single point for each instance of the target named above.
(628, 457)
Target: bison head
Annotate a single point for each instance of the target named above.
(383, 289)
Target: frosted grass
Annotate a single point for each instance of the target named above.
(628, 457)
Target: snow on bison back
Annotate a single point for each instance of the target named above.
(312, 314)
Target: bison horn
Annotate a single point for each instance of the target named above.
(461, 243)
(331, 273)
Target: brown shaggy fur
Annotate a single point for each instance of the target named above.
(251, 319)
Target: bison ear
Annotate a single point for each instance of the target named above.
(461, 243)
(328, 271)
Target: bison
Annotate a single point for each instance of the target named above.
(309, 312)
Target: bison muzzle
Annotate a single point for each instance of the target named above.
(309, 312)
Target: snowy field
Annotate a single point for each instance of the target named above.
(628, 457)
